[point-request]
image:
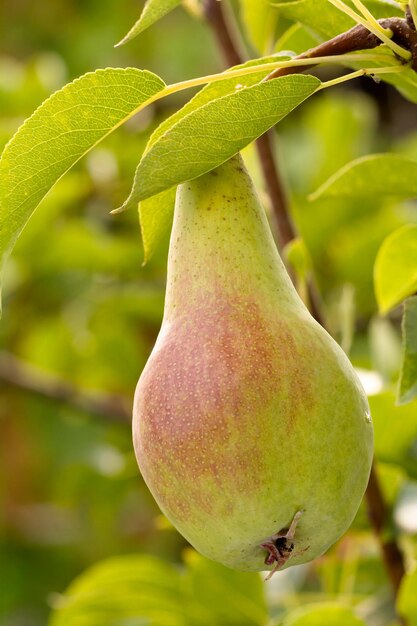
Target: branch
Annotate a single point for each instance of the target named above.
(222, 31)
(357, 38)
(30, 379)
(379, 516)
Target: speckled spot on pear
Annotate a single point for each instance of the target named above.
(200, 402)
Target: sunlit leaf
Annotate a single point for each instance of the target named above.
(405, 82)
(408, 378)
(223, 596)
(211, 134)
(259, 18)
(298, 257)
(209, 93)
(134, 590)
(297, 254)
(325, 19)
(156, 213)
(297, 39)
(58, 134)
(395, 432)
(396, 268)
(370, 176)
(328, 613)
(143, 590)
(407, 598)
(155, 216)
(151, 13)
(385, 348)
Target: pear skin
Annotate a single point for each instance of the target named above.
(250, 426)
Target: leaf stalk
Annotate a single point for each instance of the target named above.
(375, 71)
(253, 69)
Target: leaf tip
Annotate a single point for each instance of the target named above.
(406, 396)
(120, 209)
(312, 197)
(383, 307)
(120, 43)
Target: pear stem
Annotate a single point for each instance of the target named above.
(356, 39)
(222, 31)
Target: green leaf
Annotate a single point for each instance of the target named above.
(395, 271)
(152, 12)
(297, 38)
(407, 598)
(408, 377)
(146, 591)
(385, 348)
(211, 134)
(298, 256)
(123, 591)
(58, 134)
(326, 21)
(224, 597)
(405, 82)
(328, 613)
(319, 15)
(395, 429)
(155, 215)
(214, 91)
(259, 19)
(323, 17)
(378, 175)
(345, 310)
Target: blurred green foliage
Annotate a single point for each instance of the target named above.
(79, 305)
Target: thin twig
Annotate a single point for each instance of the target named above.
(356, 38)
(31, 379)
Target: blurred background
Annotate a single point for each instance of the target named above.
(81, 314)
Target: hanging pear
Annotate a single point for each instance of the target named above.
(251, 428)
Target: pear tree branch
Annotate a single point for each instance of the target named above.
(357, 38)
(379, 516)
(360, 38)
(30, 379)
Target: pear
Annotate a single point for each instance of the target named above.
(251, 428)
